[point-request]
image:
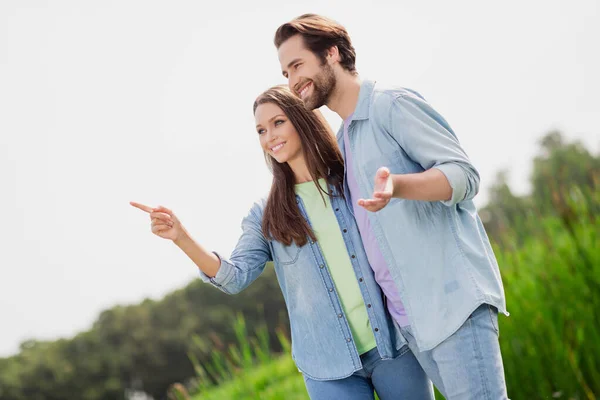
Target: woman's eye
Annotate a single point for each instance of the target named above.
(279, 122)
(261, 131)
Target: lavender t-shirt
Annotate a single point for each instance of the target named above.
(380, 268)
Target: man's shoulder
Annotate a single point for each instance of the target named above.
(387, 96)
(385, 93)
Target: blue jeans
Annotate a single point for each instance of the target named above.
(398, 378)
(467, 365)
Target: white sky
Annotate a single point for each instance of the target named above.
(106, 102)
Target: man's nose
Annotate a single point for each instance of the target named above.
(292, 82)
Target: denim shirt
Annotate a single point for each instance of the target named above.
(322, 344)
(438, 252)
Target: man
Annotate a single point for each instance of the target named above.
(411, 187)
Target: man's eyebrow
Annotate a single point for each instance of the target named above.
(294, 61)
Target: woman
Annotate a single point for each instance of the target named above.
(343, 341)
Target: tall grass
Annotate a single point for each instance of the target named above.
(551, 341)
(247, 369)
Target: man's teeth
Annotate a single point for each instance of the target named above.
(303, 91)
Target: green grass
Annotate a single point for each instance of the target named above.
(277, 379)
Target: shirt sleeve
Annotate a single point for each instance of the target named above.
(427, 139)
(247, 260)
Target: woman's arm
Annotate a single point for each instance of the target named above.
(165, 224)
(248, 259)
(205, 260)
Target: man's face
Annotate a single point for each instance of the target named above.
(309, 78)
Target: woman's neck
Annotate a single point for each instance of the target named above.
(300, 170)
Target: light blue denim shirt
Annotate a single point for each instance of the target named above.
(322, 344)
(438, 253)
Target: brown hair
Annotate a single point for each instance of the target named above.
(282, 220)
(320, 34)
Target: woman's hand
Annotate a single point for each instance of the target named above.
(162, 221)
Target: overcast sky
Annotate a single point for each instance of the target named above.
(106, 102)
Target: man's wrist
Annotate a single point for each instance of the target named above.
(399, 184)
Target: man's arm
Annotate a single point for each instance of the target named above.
(427, 139)
(431, 185)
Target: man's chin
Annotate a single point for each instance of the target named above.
(311, 104)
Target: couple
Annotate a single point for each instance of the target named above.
(387, 273)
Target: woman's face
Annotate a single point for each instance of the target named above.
(278, 136)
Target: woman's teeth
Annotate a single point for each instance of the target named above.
(277, 148)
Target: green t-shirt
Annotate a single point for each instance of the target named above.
(329, 237)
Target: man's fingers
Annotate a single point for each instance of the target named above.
(382, 195)
(142, 207)
(383, 172)
(372, 205)
(382, 176)
(371, 202)
(372, 208)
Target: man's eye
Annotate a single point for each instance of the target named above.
(297, 65)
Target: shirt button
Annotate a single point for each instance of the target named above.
(348, 340)
(376, 329)
(321, 266)
(331, 289)
(345, 230)
(353, 256)
(368, 305)
(337, 209)
(360, 279)
(339, 315)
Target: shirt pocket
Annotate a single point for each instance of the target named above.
(286, 255)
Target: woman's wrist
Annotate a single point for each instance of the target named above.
(183, 238)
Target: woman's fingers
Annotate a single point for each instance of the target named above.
(142, 207)
(160, 228)
(161, 216)
(159, 212)
(156, 221)
(164, 209)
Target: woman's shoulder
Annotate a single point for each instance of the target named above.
(258, 207)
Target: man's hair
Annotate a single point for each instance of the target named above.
(319, 34)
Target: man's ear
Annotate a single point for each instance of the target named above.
(333, 55)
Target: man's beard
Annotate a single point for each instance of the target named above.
(323, 86)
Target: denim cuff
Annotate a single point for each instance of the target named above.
(458, 181)
(224, 275)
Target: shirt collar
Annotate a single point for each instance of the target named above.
(363, 105)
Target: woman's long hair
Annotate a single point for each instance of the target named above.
(282, 220)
